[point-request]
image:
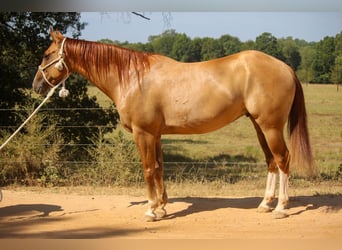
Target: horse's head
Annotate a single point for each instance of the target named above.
(52, 70)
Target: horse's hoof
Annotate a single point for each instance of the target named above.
(160, 213)
(262, 209)
(279, 215)
(149, 217)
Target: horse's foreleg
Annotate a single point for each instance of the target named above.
(159, 181)
(147, 149)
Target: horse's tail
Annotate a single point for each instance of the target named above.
(300, 150)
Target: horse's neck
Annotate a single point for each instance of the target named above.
(107, 84)
(112, 69)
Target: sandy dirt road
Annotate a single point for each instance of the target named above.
(33, 214)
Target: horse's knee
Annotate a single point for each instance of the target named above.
(149, 174)
(283, 162)
(272, 165)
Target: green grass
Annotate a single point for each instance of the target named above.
(324, 107)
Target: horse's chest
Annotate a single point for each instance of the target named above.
(138, 117)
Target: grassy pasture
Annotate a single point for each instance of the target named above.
(233, 153)
(324, 107)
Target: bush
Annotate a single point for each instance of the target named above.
(25, 158)
(79, 117)
(115, 162)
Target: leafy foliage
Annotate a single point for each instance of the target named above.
(324, 60)
(24, 36)
(115, 161)
(24, 159)
(313, 61)
(268, 43)
(79, 117)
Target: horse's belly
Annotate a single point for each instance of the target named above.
(201, 120)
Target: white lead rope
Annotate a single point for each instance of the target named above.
(52, 90)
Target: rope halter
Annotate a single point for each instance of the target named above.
(60, 65)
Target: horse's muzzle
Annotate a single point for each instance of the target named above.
(39, 85)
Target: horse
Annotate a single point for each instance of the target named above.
(156, 95)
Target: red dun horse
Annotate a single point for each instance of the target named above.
(157, 95)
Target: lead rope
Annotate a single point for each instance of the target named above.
(52, 90)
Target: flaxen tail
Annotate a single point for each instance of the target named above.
(300, 150)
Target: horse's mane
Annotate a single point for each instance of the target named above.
(107, 56)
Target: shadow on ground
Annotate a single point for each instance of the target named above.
(23, 220)
(327, 203)
(20, 221)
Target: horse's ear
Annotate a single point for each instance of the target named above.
(56, 35)
(53, 34)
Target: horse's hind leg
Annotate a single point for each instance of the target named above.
(266, 204)
(276, 143)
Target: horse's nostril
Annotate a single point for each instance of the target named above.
(38, 86)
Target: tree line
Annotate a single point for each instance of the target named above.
(314, 62)
(48, 149)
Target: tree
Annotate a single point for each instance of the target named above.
(305, 71)
(324, 60)
(163, 43)
(248, 45)
(267, 43)
(211, 48)
(24, 36)
(290, 51)
(230, 44)
(180, 48)
(337, 69)
(143, 47)
(194, 53)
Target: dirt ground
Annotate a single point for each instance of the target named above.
(34, 214)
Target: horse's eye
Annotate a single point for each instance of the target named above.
(47, 55)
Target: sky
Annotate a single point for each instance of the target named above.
(310, 20)
(125, 26)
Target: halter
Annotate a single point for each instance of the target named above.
(59, 64)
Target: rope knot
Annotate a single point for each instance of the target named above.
(63, 92)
